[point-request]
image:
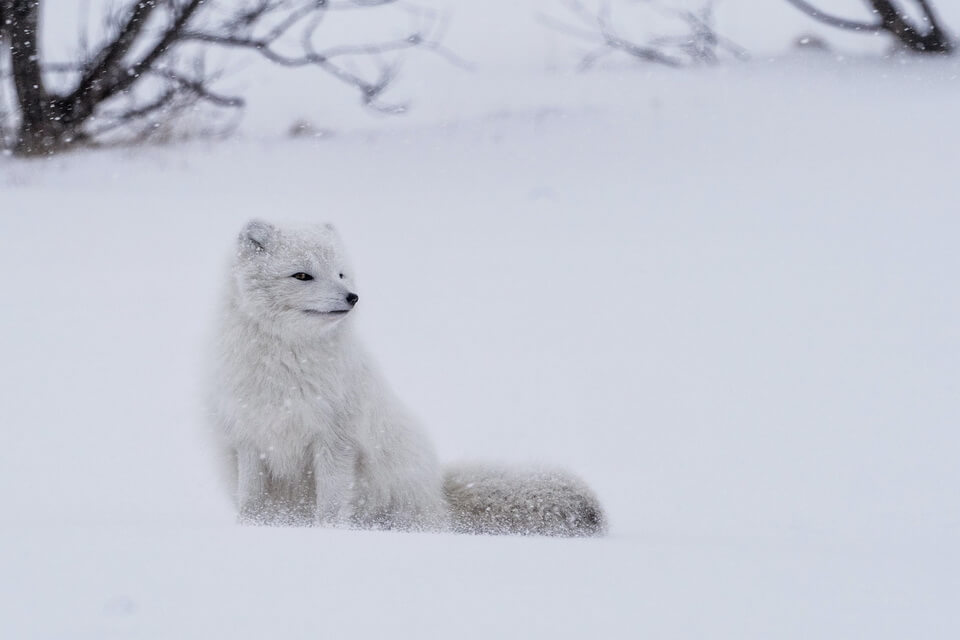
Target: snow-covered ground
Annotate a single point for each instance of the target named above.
(724, 296)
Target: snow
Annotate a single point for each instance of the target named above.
(724, 296)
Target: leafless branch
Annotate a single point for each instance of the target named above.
(701, 43)
(893, 20)
(199, 88)
(149, 36)
(835, 21)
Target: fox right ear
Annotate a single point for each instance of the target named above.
(257, 236)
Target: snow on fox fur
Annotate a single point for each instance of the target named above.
(313, 435)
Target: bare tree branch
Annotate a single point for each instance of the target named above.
(702, 42)
(893, 20)
(699, 44)
(199, 87)
(266, 46)
(834, 21)
(111, 54)
(141, 63)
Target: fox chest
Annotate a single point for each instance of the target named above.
(283, 412)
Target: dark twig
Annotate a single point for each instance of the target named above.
(835, 21)
(700, 44)
(893, 20)
(138, 64)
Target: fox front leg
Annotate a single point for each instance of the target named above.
(333, 471)
(251, 487)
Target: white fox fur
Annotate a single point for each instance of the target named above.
(312, 433)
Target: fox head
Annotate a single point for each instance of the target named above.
(296, 279)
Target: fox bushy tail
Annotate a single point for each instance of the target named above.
(497, 499)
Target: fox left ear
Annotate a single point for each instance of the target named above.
(258, 236)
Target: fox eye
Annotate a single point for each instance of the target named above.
(341, 276)
(302, 276)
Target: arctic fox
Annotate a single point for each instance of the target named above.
(313, 435)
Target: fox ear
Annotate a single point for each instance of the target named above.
(258, 236)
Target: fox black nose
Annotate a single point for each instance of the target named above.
(352, 299)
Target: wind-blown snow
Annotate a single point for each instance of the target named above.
(726, 297)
